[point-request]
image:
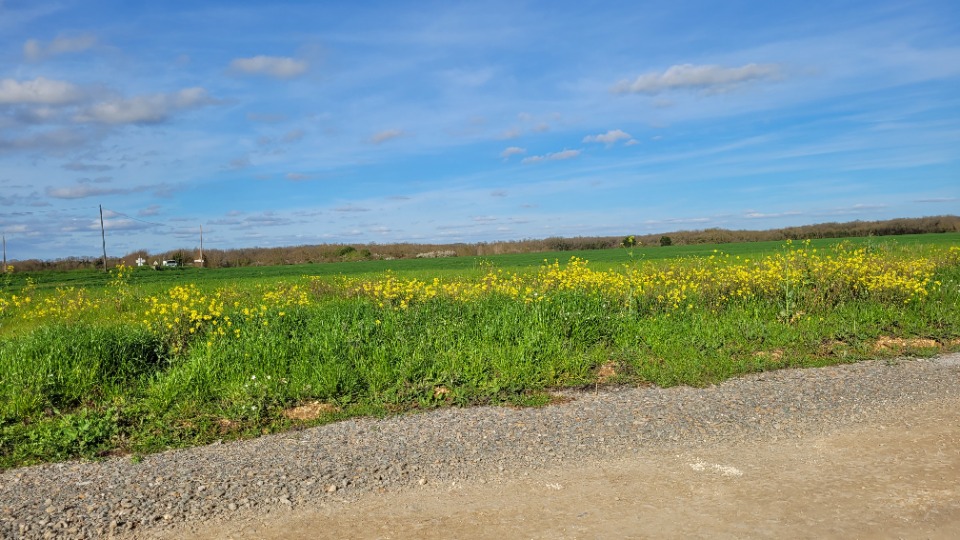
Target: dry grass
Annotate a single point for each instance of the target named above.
(606, 372)
(310, 411)
(887, 343)
(775, 355)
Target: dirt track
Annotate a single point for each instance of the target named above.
(898, 478)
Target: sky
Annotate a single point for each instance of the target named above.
(291, 123)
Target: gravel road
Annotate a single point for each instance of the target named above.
(345, 461)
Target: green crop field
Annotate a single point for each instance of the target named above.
(453, 266)
(139, 360)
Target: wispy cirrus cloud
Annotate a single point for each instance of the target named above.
(56, 140)
(512, 151)
(387, 135)
(608, 138)
(298, 177)
(86, 167)
(83, 191)
(152, 210)
(39, 91)
(279, 67)
(150, 109)
(555, 156)
(239, 221)
(31, 199)
(938, 200)
(697, 77)
(529, 123)
(753, 214)
(35, 50)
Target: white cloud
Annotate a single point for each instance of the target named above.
(35, 50)
(280, 67)
(48, 141)
(858, 208)
(674, 221)
(97, 180)
(254, 221)
(556, 156)
(40, 91)
(117, 225)
(38, 114)
(512, 151)
(79, 166)
(565, 154)
(386, 135)
(689, 76)
(938, 200)
(297, 177)
(530, 124)
(32, 199)
(608, 138)
(145, 109)
(752, 214)
(83, 191)
(511, 133)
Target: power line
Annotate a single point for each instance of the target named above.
(137, 219)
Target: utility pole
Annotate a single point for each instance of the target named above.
(202, 262)
(4, 253)
(103, 237)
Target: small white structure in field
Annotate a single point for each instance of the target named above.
(140, 261)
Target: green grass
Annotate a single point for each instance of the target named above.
(99, 386)
(452, 266)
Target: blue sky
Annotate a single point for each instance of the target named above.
(288, 123)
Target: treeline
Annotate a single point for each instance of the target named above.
(216, 258)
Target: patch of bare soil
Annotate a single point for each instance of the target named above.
(310, 411)
(885, 343)
(898, 477)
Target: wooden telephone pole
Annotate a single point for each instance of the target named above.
(4, 253)
(202, 262)
(103, 237)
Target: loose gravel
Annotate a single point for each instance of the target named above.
(337, 462)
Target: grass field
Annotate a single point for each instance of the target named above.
(454, 266)
(138, 360)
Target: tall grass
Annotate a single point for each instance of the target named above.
(137, 368)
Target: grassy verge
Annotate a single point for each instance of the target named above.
(132, 370)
